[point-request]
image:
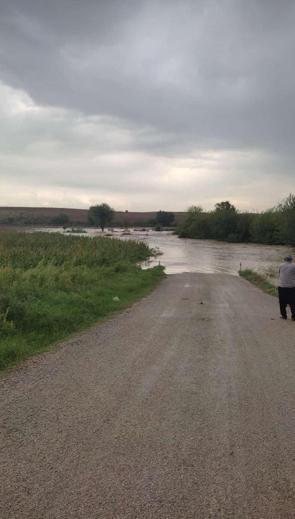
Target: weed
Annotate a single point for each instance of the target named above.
(259, 280)
(53, 285)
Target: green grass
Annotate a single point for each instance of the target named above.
(52, 286)
(259, 281)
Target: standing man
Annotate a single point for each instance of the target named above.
(286, 287)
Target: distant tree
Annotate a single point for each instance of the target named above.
(195, 209)
(195, 224)
(224, 221)
(244, 223)
(266, 228)
(286, 216)
(274, 226)
(100, 215)
(164, 218)
(225, 206)
(288, 204)
(60, 219)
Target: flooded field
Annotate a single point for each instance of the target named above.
(186, 255)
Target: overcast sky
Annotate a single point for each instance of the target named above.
(147, 105)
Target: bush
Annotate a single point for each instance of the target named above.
(275, 226)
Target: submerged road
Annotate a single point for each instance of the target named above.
(182, 406)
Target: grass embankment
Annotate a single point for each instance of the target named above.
(53, 285)
(259, 281)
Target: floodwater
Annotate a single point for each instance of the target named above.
(208, 256)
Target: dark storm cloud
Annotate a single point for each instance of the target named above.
(213, 72)
(167, 79)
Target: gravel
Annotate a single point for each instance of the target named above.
(182, 406)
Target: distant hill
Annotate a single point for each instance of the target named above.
(47, 216)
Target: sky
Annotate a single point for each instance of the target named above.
(147, 104)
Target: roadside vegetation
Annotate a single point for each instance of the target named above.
(53, 285)
(260, 281)
(275, 226)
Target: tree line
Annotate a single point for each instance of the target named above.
(102, 215)
(225, 222)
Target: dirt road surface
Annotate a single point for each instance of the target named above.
(172, 409)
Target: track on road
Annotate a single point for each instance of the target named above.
(182, 406)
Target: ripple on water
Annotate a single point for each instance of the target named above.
(207, 256)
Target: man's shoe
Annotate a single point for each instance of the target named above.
(284, 317)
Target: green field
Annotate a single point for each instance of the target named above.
(53, 285)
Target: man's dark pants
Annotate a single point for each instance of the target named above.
(287, 297)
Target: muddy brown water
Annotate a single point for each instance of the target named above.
(207, 256)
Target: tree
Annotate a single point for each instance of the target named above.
(225, 206)
(244, 227)
(195, 210)
(195, 224)
(288, 204)
(100, 215)
(164, 218)
(286, 213)
(265, 227)
(224, 221)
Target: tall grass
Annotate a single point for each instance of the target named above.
(28, 250)
(52, 285)
(259, 281)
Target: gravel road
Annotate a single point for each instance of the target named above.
(182, 406)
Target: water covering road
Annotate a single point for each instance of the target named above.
(209, 256)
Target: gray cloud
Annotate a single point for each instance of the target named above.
(124, 92)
